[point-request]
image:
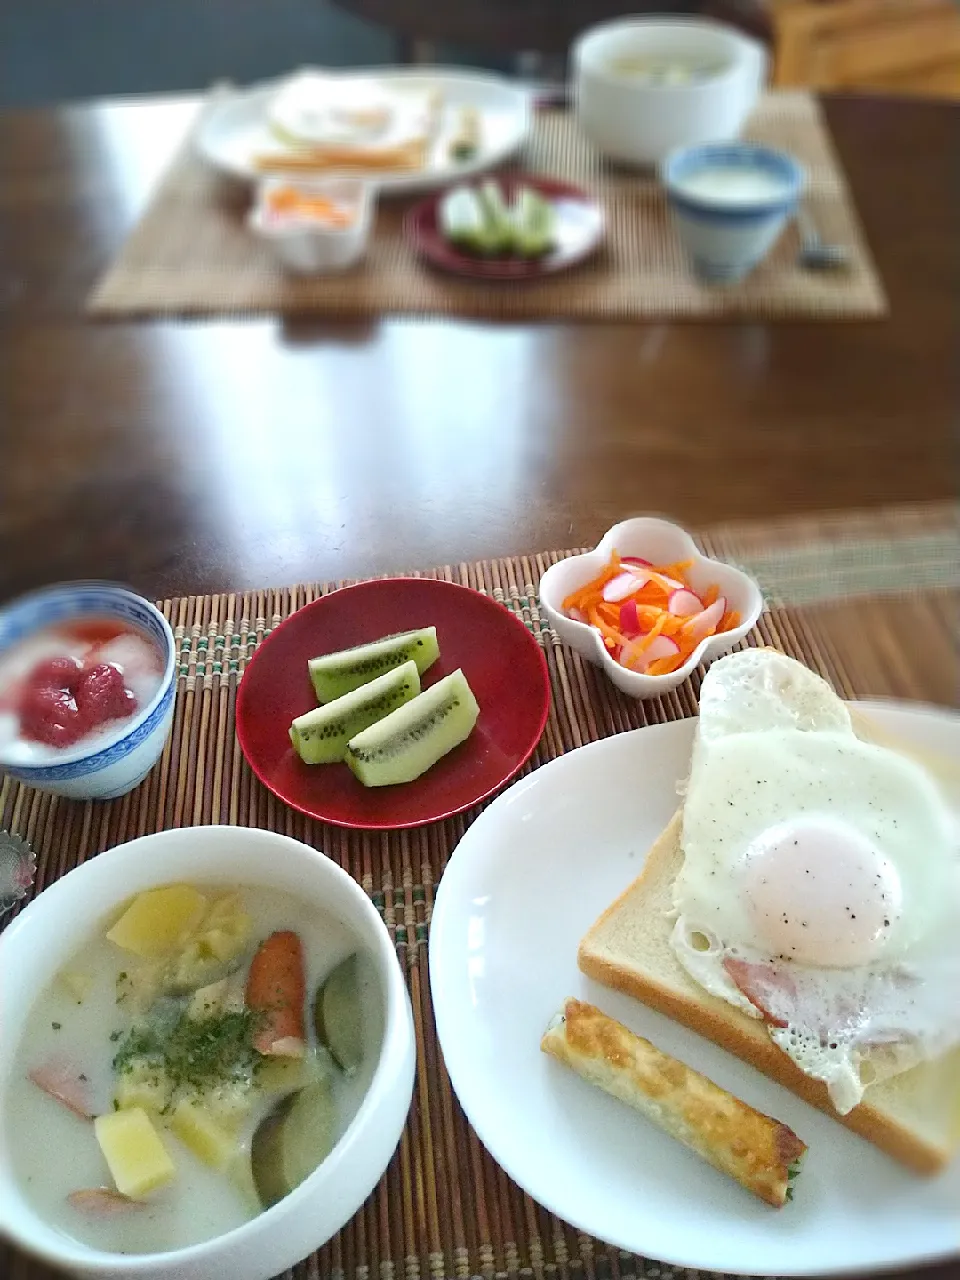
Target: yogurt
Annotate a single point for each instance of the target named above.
(733, 185)
(73, 684)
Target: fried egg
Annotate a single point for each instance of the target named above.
(820, 887)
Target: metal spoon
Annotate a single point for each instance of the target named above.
(817, 254)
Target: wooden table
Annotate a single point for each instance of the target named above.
(219, 456)
(200, 457)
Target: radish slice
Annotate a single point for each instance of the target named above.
(668, 584)
(705, 623)
(618, 588)
(638, 659)
(629, 619)
(645, 564)
(684, 603)
(576, 615)
(661, 647)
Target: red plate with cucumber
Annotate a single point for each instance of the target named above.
(392, 703)
(507, 228)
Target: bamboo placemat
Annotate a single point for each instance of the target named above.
(444, 1208)
(192, 254)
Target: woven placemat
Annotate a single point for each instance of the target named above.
(445, 1208)
(192, 254)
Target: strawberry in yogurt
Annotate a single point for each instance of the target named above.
(70, 684)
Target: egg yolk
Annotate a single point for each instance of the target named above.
(820, 893)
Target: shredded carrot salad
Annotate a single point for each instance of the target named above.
(289, 201)
(649, 616)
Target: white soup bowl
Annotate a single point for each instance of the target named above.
(639, 123)
(53, 927)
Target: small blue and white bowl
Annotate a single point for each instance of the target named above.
(730, 202)
(116, 763)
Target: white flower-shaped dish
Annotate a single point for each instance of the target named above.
(660, 542)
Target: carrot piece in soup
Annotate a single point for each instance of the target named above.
(277, 990)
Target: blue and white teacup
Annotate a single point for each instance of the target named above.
(730, 202)
(113, 763)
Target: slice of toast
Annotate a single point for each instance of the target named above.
(914, 1116)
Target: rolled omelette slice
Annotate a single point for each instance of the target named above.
(762, 1154)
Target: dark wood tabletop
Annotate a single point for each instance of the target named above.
(207, 456)
(228, 454)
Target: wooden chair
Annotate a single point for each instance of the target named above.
(893, 46)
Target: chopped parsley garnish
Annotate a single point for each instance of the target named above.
(194, 1053)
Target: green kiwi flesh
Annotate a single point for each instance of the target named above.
(321, 736)
(407, 742)
(334, 674)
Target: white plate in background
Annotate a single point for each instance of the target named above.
(522, 887)
(234, 128)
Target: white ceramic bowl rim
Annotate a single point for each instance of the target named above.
(593, 48)
(117, 1266)
(688, 550)
(102, 745)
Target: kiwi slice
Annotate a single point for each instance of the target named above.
(292, 1141)
(409, 740)
(321, 736)
(338, 1016)
(335, 674)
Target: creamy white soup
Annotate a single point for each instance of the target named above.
(184, 1073)
(725, 184)
(664, 70)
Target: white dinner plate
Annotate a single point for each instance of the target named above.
(522, 887)
(234, 129)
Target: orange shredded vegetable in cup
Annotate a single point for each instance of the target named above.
(649, 616)
(293, 202)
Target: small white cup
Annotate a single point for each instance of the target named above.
(310, 248)
(660, 542)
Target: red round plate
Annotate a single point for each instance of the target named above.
(579, 230)
(499, 657)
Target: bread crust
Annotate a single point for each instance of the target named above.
(733, 1030)
(758, 1151)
